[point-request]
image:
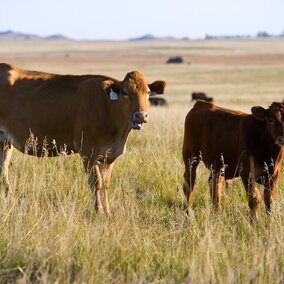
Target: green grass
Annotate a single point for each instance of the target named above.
(50, 234)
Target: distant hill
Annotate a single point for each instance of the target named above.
(16, 35)
(57, 37)
(152, 37)
(147, 37)
(20, 36)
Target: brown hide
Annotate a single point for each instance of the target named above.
(231, 144)
(46, 114)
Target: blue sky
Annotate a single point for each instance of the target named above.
(124, 19)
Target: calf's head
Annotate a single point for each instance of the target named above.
(274, 117)
(136, 92)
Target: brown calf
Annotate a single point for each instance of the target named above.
(232, 143)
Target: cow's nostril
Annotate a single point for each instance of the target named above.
(141, 116)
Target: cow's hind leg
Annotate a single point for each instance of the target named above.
(5, 157)
(216, 181)
(189, 181)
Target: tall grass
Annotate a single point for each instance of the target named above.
(50, 233)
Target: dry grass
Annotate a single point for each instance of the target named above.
(49, 232)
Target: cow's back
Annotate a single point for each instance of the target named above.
(49, 106)
(213, 134)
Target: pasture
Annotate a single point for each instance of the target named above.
(48, 230)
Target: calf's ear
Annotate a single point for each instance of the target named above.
(259, 112)
(157, 88)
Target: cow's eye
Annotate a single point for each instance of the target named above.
(125, 94)
(271, 121)
(148, 94)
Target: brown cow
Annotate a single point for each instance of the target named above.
(45, 114)
(231, 144)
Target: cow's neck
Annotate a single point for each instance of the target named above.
(276, 152)
(120, 117)
(117, 116)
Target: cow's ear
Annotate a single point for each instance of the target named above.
(157, 88)
(116, 87)
(108, 85)
(259, 112)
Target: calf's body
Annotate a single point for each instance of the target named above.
(232, 144)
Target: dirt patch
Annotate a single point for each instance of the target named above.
(239, 59)
(242, 59)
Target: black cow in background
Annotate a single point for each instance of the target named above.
(154, 101)
(195, 96)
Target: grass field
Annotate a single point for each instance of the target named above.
(48, 230)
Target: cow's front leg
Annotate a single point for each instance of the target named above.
(105, 171)
(95, 183)
(99, 175)
(5, 157)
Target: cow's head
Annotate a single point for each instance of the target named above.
(274, 117)
(135, 91)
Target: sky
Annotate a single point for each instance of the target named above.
(125, 19)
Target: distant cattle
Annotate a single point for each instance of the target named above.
(201, 96)
(175, 59)
(154, 101)
(45, 114)
(232, 143)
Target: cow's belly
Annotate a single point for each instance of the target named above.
(221, 161)
(36, 144)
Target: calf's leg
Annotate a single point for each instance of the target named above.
(254, 197)
(269, 186)
(216, 184)
(189, 181)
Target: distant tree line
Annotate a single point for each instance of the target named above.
(261, 34)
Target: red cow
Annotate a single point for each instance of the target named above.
(232, 143)
(89, 114)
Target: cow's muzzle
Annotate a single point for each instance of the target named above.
(138, 118)
(280, 140)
